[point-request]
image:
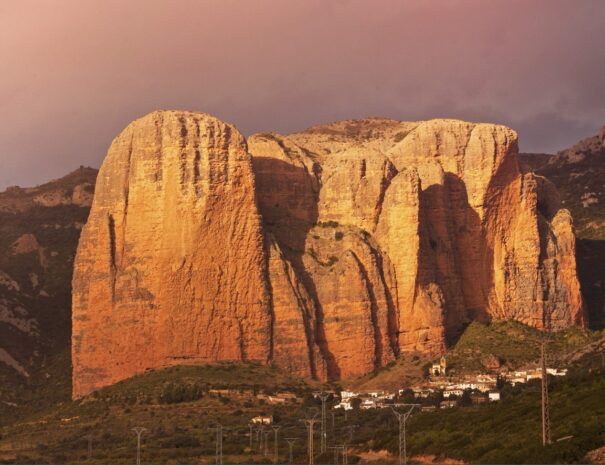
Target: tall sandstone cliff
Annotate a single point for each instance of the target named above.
(326, 252)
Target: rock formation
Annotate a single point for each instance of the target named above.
(171, 266)
(578, 174)
(327, 252)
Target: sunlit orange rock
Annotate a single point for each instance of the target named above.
(171, 266)
(327, 252)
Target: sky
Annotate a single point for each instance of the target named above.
(74, 73)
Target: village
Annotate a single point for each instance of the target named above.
(440, 390)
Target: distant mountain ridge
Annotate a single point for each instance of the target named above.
(39, 231)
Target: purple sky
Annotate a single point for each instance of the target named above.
(74, 73)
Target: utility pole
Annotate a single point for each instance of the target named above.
(402, 419)
(259, 437)
(89, 438)
(218, 444)
(251, 426)
(266, 439)
(139, 431)
(290, 442)
(546, 440)
(324, 397)
(345, 450)
(275, 452)
(310, 424)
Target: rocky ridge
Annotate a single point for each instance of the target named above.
(578, 174)
(39, 230)
(327, 252)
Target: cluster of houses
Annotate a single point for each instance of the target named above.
(443, 391)
(440, 390)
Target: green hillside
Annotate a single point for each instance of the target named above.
(178, 406)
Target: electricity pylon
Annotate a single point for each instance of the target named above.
(546, 439)
(251, 426)
(403, 418)
(275, 452)
(139, 431)
(310, 423)
(290, 442)
(324, 397)
(89, 438)
(266, 439)
(259, 437)
(545, 404)
(218, 444)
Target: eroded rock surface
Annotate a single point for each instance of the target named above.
(458, 232)
(171, 266)
(327, 252)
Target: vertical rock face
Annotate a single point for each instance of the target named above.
(458, 233)
(171, 266)
(326, 252)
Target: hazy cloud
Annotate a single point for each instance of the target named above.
(75, 73)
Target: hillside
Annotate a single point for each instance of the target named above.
(179, 406)
(39, 231)
(482, 348)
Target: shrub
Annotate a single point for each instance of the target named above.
(173, 393)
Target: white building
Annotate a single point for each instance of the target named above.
(494, 396)
(345, 405)
(452, 392)
(348, 395)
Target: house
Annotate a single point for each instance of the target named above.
(557, 371)
(428, 408)
(451, 392)
(368, 404)
(262, 420)
(348, 395)
(345, 405)
(493, 396)
(421, 392)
